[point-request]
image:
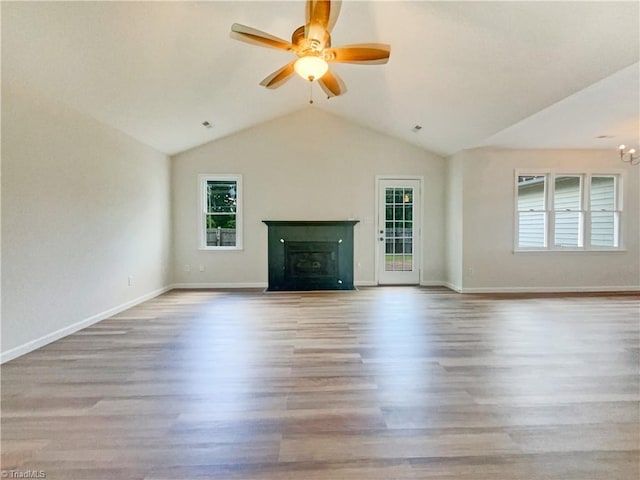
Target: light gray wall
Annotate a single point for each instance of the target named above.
(308, 165)
(83, 208)
(489, 263)
(454, 223)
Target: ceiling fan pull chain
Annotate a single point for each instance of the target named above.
(310, 92)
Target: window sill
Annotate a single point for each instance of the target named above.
(220, 249)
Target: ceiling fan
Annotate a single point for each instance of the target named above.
(312, 45)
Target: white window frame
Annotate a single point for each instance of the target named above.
(585, 204)
(202, 183)
(580, 210)
(617, 210)
(544, 212)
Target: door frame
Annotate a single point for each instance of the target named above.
(376, 203)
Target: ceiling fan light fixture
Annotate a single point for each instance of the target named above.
(311, 67)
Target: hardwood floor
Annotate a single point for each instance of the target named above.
(382, 383)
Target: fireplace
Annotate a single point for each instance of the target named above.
(310, 255)
(311, 260)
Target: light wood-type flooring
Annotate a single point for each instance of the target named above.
(376, 384)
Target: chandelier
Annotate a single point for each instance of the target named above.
(629, 156)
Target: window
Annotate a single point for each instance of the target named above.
(532, 213)
(221, 212)
(604, 212)
(567, 211)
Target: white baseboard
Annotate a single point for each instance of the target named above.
(63, 332)
(427, 283)
(219, 285)
(433, 283)
(450, 286)
(601, 289)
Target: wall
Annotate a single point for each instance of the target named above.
(454, 223)
(489, 263)
(83, 208)
(308, 165)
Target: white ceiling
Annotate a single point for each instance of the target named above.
(516, 74)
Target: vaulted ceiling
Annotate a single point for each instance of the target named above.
(514, 74)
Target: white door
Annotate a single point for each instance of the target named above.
(398, 231)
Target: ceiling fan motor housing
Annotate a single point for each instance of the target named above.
(310, 39)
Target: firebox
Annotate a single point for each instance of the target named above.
(310, 255)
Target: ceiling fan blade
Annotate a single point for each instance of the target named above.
(323, 12)
(367, 53)
(279, 77)
(257, 37)
(332, 84)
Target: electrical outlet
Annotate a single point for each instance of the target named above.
(202, 268)
(130, 281)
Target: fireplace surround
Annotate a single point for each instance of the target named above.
(310, 255)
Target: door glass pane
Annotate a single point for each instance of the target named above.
(408, 212)
(389, 196)
(407, 265)
(399, 231)
(408, 246)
